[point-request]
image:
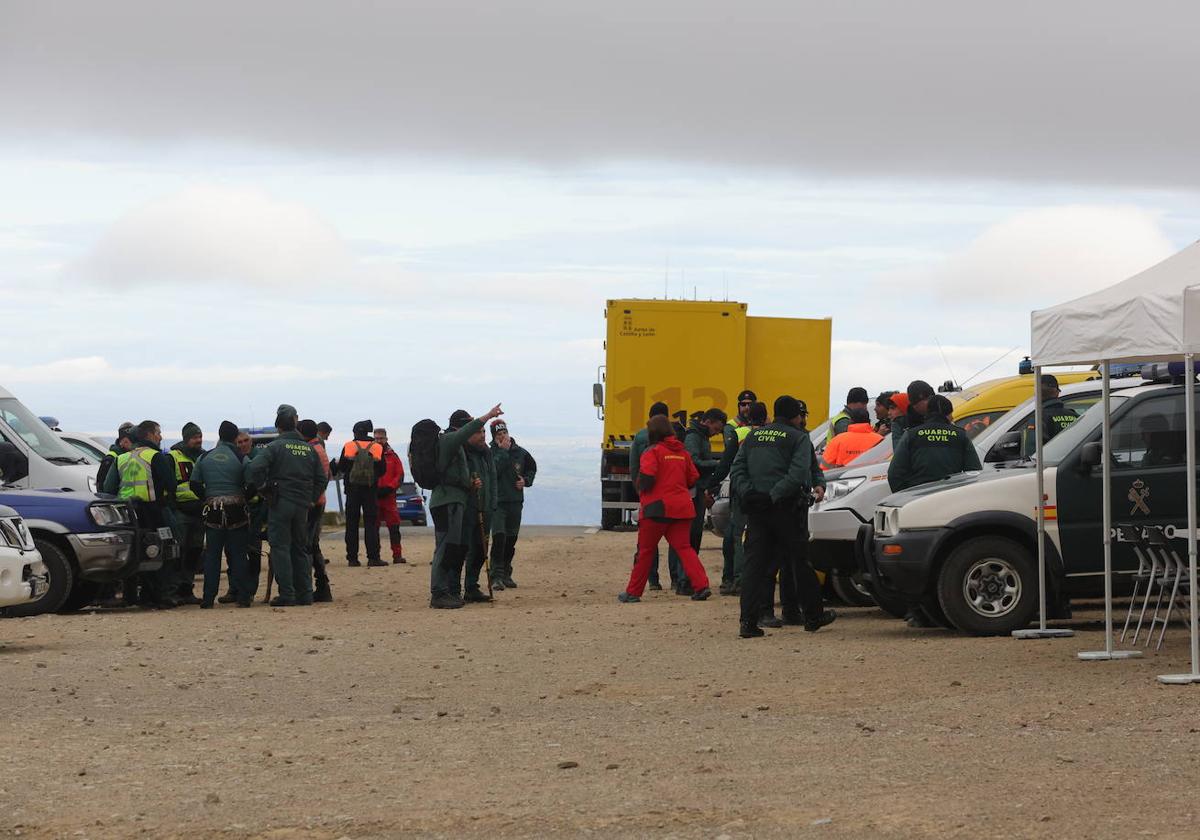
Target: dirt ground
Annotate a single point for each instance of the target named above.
(559, 712)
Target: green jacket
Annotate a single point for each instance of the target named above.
(641, 442)
(219, 473)
(1056, 417)
(510, 464)
(480, 463)
(776, 459)
(697, 443)
(730, 437)
(934, 450)
(455, 485)
(289, 468)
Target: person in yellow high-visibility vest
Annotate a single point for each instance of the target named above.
(145, 476)
(188, 508)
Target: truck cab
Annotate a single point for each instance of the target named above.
(965, 548)
(31, 455)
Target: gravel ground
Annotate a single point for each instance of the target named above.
(559, 712)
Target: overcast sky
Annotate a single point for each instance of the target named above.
(397, 209)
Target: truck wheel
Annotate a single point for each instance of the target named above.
(851, 590)
(988, 586)
(610, 518)
(62, 580)
(82, 595)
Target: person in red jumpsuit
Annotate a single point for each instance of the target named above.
(389, 483)
(666, 475)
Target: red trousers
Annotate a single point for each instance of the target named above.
(677, 532)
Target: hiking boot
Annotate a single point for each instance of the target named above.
(206, 605)
(245, 604)
(726, 587)
(498, 584)
(227, 598)
(826, 617)
(769, 620)
(655, 586)
(353, 562)
(685, 588)
(509, 583)
(398, 560)
(703, 595)
(626, 598)
(322, 595)
(304, 601)
(749, 631)
(445, 601)
(280, 601)
(476, 596)
(793, 619)
(376, 562)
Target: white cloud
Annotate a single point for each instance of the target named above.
(1053, 254)
(98, 369)
(209, 234)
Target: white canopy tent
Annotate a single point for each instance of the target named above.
(1152, 316)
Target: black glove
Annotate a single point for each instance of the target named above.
(756, 501)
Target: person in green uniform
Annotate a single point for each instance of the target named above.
(515, 471)
(934, 450)
(1055, 415)
(189, 529)
(697, 443)
(245, 589)
(448, 507)
(732, 545)
(145, 475)
(772, 476)
(289, 471)
(220, 480)
(481, 465)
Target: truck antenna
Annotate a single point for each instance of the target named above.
(953, 378)
(667, 279)
(985, 367)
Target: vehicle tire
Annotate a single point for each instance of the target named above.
(610, 518)
(988, 586)
(851, 590)
(933, 609)
(62, 580)
(890, 604)
(81, 595)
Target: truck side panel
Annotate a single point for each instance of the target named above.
(790, 356)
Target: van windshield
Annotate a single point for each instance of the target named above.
(1065, 442)
(36, 435)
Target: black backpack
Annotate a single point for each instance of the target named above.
(423, 452)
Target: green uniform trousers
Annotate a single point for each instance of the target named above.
(189, 530)
(506, 528)
(287, 534)
(733, 546)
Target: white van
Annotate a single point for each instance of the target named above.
(35, 457)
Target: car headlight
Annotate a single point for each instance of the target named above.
(13, 533)
(842, 487)
(108, 515)
(887, 521)
(91, 484)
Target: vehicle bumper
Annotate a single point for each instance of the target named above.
(105, 555)
(21, 580)
(903, 564)
(839, 524)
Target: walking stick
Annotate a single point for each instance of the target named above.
(270, 574)
(483, 540)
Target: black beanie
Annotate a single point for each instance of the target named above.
(659, 408)
(919, 390)
(228, 431)
(857, 395)
(787, 408)
(190, 430)
(460, 418)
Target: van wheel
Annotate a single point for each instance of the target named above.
(62, 580)
(988, 586)
(851, 590)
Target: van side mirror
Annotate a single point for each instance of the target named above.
(13, 464)
(598, 395)
(1008, 448)
(1092, 455)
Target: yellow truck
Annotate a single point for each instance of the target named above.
(696, 355)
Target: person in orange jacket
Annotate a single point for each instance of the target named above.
(856, 440)
(389, 484)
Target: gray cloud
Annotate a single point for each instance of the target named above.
(1075, 90)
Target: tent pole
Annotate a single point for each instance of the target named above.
(1041, 631)
(1108, 652)
(1189, 401)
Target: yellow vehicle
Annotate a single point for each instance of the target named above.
(696, 355)
(976, 406)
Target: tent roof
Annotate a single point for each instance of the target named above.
(1151, 316)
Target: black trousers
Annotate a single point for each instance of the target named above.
(361, 506)
(776, 542)
(697, 532)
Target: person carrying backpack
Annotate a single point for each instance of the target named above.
(361, 466)
(439, 464)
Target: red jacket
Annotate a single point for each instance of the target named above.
(674, 474)
(393, 471)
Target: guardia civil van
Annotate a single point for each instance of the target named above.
(965, 548)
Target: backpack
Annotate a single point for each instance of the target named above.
(423, 452)
(362, 468)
